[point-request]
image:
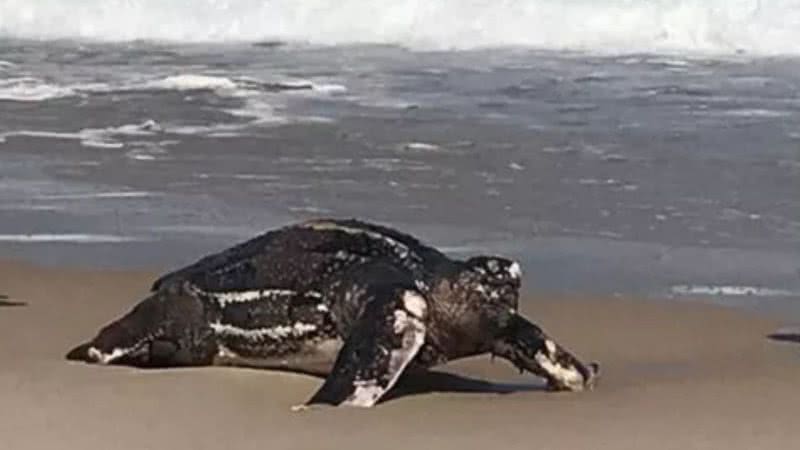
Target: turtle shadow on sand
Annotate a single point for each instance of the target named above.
(421, 383)
(5, 301)
(435, 381)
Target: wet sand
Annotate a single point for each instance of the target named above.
(675, 376)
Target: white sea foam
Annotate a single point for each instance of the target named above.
(98, 195)
(101, 144)
(259, 99)
(29, 89)
(93, 137)
(40, 134)
(188, 82)
(303, 87)
(76, 238)
(421, 146)
(767, 113)
(237, 87)
(756, 26)
(32, 89)
(140, 155)
(753, 291)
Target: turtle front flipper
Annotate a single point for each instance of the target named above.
(530, 349)
(383, 340)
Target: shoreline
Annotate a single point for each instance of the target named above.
(758, 281)
(674, 375)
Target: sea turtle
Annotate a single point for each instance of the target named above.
(357, 302)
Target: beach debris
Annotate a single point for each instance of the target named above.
(786, 334)
(6, 301)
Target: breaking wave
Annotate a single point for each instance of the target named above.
(716, 26)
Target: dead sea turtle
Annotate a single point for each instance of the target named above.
(354, 301)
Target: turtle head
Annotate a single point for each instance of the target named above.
(494, 285)
(497, 280)
(485, 296)
(476, 300)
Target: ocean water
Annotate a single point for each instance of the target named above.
(629, 147)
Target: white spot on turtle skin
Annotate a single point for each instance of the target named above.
(515, 271)
(224, 298)
(225, 352)
(256, 334)
(400, 321)
(551, 347)
(106, 358)
(414, 304)
(367, 393)
(567, 377)
(322, 307)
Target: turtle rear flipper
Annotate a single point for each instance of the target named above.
(169, 328)
(80, 353)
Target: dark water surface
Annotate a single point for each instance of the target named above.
(636, 174)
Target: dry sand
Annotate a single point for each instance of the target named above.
(675, 376)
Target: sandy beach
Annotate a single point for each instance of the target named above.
(639, 160)
(675, 376)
